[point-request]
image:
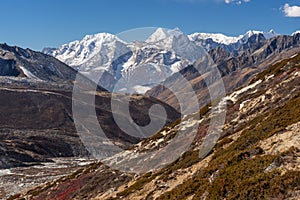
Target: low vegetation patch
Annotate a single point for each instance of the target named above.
(238, 172)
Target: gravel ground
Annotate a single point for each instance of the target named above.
(19, 179)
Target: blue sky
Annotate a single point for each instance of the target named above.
(49, 23)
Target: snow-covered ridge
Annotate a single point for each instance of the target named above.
(216, 37)
(227, 40)
(141, 64)
(296, 32)
(77, 52)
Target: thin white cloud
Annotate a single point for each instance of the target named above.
(238, 2)
(291, 11)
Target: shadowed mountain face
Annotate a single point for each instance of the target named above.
(18, 62)
(8, 68)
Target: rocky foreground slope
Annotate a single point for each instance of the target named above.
(257, 156)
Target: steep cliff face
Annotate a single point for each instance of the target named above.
(8, 68)
(256, 157)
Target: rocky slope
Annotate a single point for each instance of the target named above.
(234, 70)
(18, 62)
(45, 126)
(256, 157)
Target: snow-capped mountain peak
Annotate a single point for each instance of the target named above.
(161, 34)
(79, 51)
(270, 34)
(250, 33)
(158, 35)
(296, 32)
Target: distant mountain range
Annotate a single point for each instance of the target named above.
(139, 65)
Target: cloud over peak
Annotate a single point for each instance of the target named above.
(291, 11)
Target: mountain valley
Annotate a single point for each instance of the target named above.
(257, 155)
(246, 143)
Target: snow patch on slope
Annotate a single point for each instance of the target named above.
(28, 73)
